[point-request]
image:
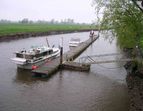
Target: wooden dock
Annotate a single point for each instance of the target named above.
(49, 67)
(76, 66)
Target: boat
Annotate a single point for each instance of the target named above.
(74, 42)
(35, 56)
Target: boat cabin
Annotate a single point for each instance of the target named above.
(33, 54)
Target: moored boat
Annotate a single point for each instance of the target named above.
(74, 42)
(34, 56)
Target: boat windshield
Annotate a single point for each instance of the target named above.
(75, 39)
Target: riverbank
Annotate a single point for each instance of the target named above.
(134, 81)
(135, 90)
(36, 34)
(10, 31)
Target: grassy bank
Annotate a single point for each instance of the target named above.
(14, 28)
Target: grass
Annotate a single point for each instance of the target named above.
(14, 28)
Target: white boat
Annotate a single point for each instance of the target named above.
(74, 42)
(35, 56)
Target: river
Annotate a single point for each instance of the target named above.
(102, 89)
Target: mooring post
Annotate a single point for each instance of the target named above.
(61, 53)
(61, 56)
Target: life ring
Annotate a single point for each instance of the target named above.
(34, 67)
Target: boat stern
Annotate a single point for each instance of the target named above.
(19, 61)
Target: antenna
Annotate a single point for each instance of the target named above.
(47, 42)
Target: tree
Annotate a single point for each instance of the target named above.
(5, 21)
(124, 19)
(24, 21)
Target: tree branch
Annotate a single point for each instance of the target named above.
(137, 5)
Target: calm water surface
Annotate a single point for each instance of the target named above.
(102, 89)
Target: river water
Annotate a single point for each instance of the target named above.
(102, 89)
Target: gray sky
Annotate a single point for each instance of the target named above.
(79, 10)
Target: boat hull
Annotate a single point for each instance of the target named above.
(29, 65)
(74, 42)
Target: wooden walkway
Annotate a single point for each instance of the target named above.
(99, 59)
(76, 66)
(109, 61)
(50, 67)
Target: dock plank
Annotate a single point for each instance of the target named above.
(76, 66)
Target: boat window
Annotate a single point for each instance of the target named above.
(45, 53)
(50, 51)
(41, 54)
(19, 55)
(29, 56)
(38, 55)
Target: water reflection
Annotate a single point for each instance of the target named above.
(26, 77)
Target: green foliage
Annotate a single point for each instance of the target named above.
(13, 28)
(125, 20)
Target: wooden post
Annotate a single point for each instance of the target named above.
(61, 56)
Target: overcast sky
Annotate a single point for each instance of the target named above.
(79, 10)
